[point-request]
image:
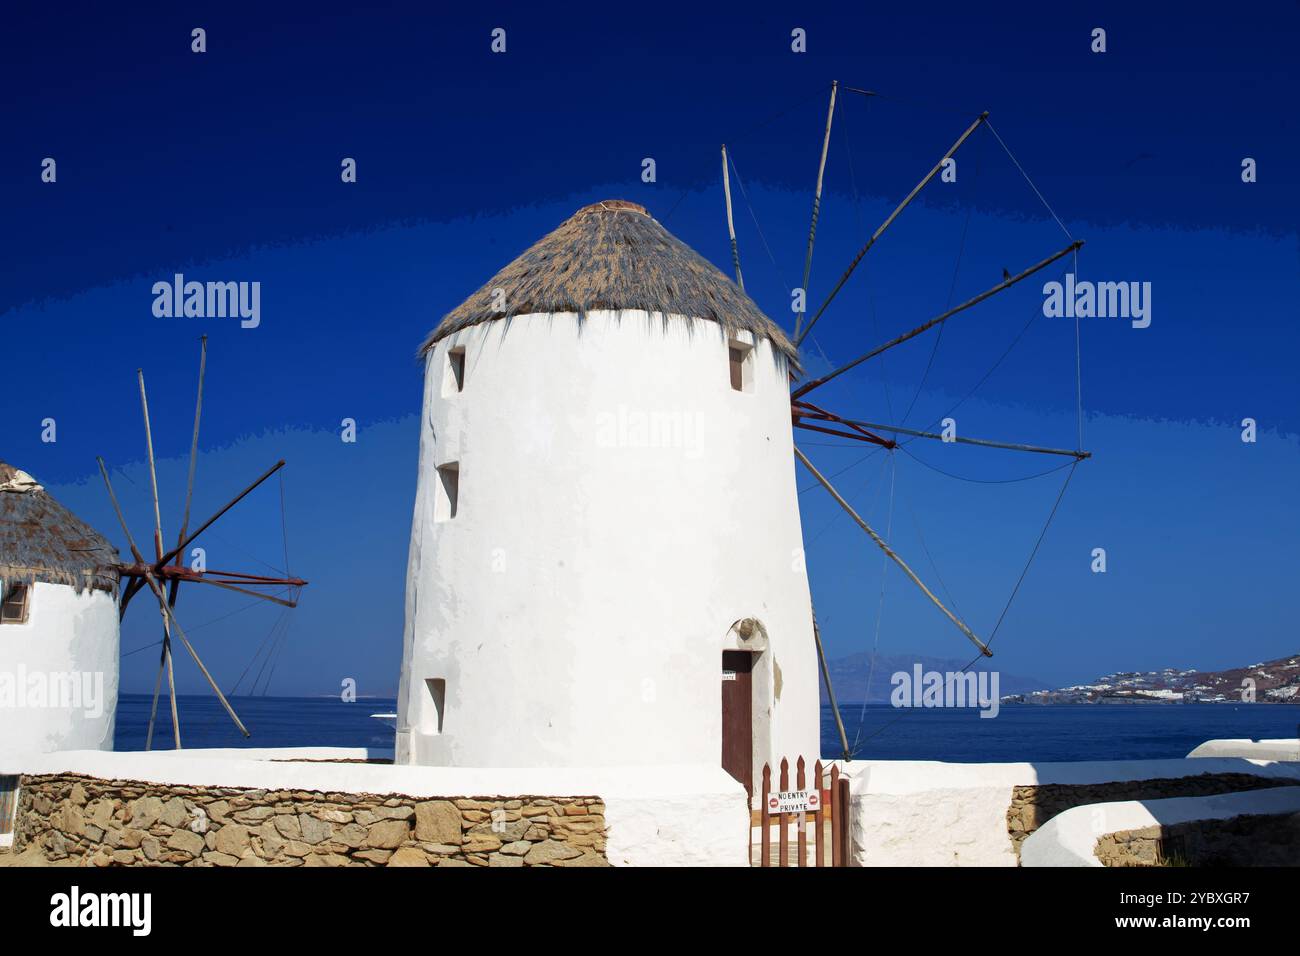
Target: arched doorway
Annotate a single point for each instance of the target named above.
(746, 701)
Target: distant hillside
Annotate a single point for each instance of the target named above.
(1276, 682)
(849, 675)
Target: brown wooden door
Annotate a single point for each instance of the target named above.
(737, 717)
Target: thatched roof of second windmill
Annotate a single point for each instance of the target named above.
(613, 255)
(40, 540)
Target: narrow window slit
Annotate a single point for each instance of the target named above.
(436, 705)
(453, 380)
(740, 361)
(447, 492)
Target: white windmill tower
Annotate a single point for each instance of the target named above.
(60, 607)
(605, 563)
(58, 624)
(606, 473)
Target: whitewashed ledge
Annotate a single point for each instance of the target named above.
(1279, 749)
(928, 813)
(1071, 838)
(319, 754)
(655, 816)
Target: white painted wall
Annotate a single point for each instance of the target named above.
(578, 603)
(66, 635)
(1070, 838)
(927, 813)
(655, 816)
(334, 754)
(1278, 749)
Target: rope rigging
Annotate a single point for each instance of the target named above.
(986, 481)
(1001, 617)
(802, 409)
(952, 291)
(164, 573)
(745, 136)
(880, 607)
(750, 206)
(1033, 553)
(1035, 314)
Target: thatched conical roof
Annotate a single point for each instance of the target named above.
(40, 540)
(613, 255)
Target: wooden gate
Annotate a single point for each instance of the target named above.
(8, 808)
(827, 812)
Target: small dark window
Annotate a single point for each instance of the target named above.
(14, 608)
(737, 368)
(447, 492)
(740, 361)
(454, 379)
(438, 703)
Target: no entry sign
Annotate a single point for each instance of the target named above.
(794, 801)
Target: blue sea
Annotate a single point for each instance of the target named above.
(879, 731)
(1050, 733)
(272, 721)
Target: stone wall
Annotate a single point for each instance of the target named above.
(1032, 806)
(99, 822)
(1249, 840)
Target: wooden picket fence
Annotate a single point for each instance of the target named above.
(830, 819)
(8, 808)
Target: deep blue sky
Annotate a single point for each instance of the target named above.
(226, 166)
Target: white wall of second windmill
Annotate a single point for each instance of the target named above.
(68, 636)
(578, 603)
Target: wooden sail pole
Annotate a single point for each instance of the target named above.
(830, 691)
(226, 585)
(139, 583)
(127, 593)
(731, 228)
(194, 444)
(162, 601)
(153, 471)
(816, 209)
(157, 688)
(173, 572)
(174, 587)
(961, 626)
(982, 442)
(801, 410)
(207, 524)
(892, 216)
(856, 436)
(1004, 284)
(167, 611)
(169, 658)
(158, 551)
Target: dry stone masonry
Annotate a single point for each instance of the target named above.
(1248, 840)
(1032, 806)
(99, 822)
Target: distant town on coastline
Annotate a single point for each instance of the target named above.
(1273, 682)
(1267, 682)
